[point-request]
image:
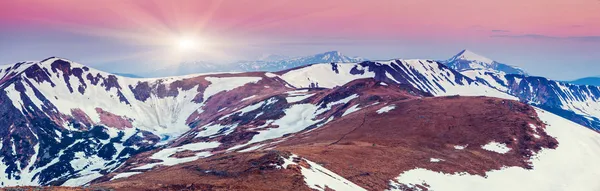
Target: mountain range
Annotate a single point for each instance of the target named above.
(592, 81)
(282, 63)
(467, 123)
(463, 61)
(270, 63)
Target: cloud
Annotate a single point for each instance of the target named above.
(545, 37)
(500, 31)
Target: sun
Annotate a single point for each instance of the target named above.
(187, 44)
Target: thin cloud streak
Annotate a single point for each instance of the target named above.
(500, 31)
(545, 37)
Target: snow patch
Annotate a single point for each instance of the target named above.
(250, 97)
(167, 160)
(296, 96)
(435, 160)
(318, 177)
(124, 175)
(460, 147)
(297, 118)
(386, 109)
(350, 110)
(496, 147)
(270, 75)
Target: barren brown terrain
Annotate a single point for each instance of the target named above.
(370, 149)
(53, 188)
(233, 171)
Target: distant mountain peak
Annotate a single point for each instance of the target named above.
(51, 59)
(335, 56)
(471, 56)
(468, 60)
(333, 52)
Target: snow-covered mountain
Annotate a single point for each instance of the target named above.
(65, 123)
(467, 60)
(315, 126)
(426, 75)
(579, 103)
(342, 120)
(55, 122)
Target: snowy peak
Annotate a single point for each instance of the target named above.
(471, 56)
(330, 54)
(336, 56)
(467, 60)
(39, 70)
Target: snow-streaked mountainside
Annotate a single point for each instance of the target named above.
(425, 75)
(266, 119)
(67, 124)
(86, 122)
(468, 60)
(579, 103)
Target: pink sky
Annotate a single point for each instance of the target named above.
(351, 18)
(526, 33)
